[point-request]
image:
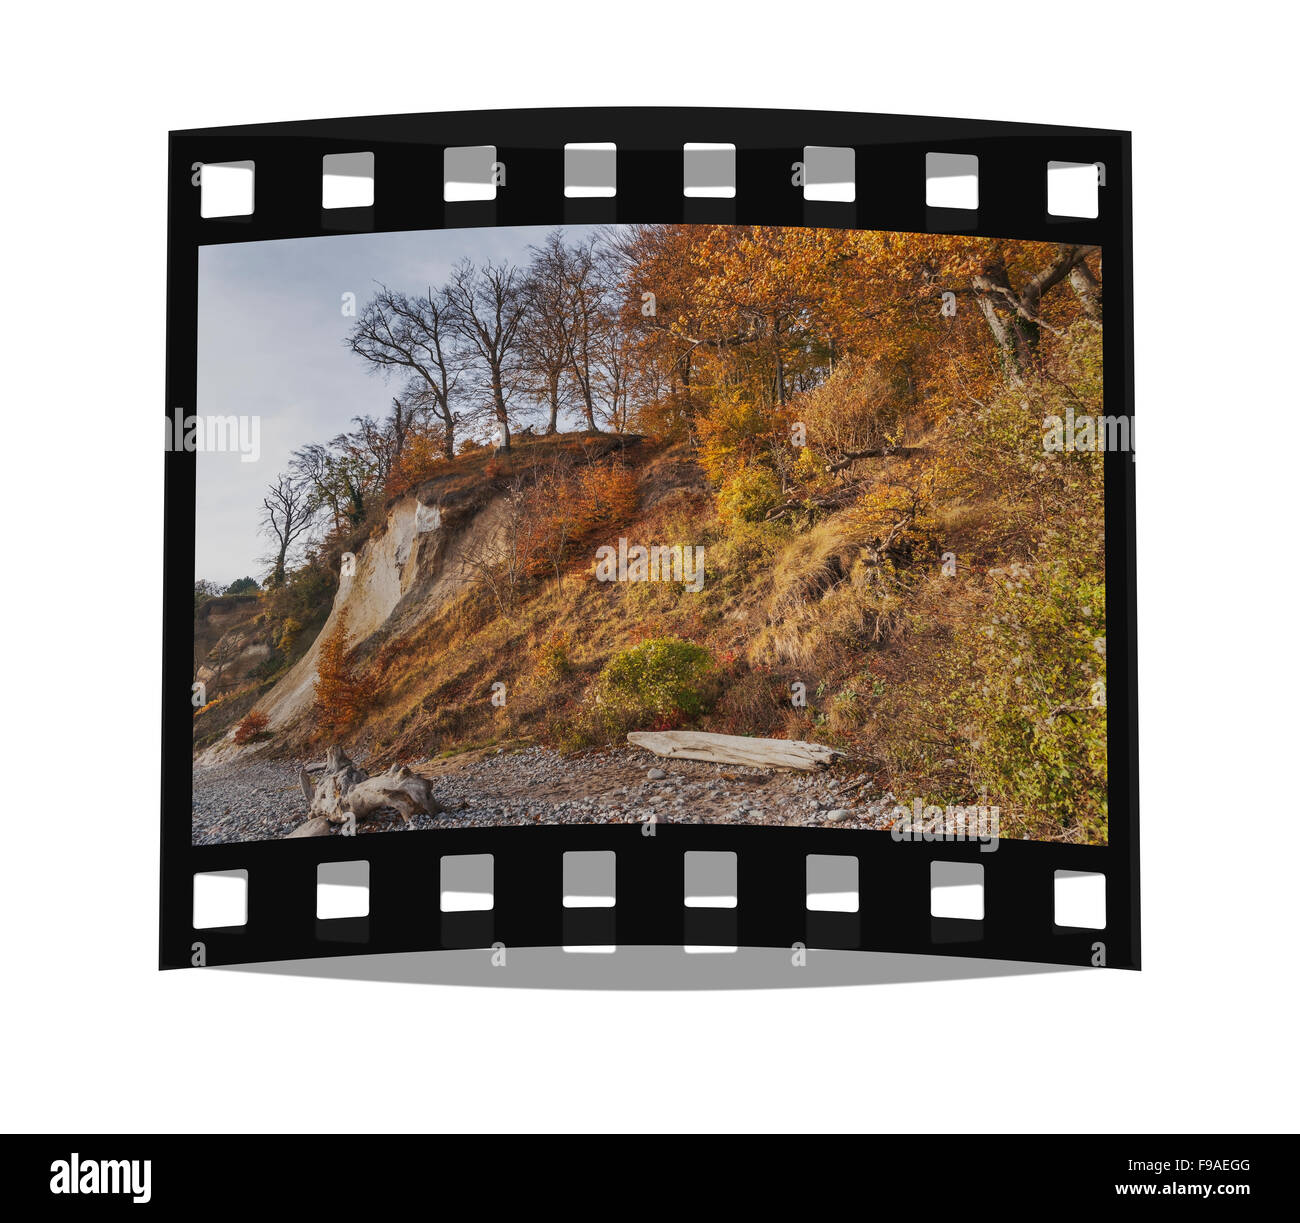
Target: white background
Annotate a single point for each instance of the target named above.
(94, 1037)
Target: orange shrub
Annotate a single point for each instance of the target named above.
(421, 459)
(254, 723)
(340, 690)
(606, 496)
(570, 508)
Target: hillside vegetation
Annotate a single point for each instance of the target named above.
(847, 429)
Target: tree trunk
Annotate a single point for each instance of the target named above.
(553, 391)
(993, 293)
(499, 409)
(588, 408)
(1087, 289)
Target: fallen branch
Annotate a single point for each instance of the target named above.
(1067, 710)
(879, 452)
(833, 501)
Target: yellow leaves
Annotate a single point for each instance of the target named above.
(809, 468)
(747, 495)
(732, 432)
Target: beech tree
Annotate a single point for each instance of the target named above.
(488, 305)
(582, 319)
(418, 335)
(1013, 312)
(544, 339)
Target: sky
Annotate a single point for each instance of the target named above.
(271, 346)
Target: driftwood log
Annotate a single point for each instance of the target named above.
(343, 791)
(735, 749)
(317, 826)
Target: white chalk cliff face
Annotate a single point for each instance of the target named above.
(402, 576)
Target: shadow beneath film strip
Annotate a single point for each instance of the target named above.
(650, 968)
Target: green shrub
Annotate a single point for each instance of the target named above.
(1012, 706)
(1040, 710)
(660, 683)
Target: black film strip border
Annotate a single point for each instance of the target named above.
(771, 910)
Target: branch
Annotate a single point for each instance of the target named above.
(881, 452)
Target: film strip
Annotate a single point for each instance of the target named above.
(670, 883)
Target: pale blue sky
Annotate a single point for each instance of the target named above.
(271, 332)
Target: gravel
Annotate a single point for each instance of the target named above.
(252, 800)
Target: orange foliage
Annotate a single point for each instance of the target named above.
(571, 507)
(254, 723)
(606, 495)
(421, 459)
(341, 695)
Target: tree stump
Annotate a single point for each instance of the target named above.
(344, 792)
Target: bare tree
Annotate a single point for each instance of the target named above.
(317, 466)
(544, 339)
(376, 444)
(489, 307)
(287, 513)
(583, 317)
(418, 335)
(613, 359)
(344, 475)
(227, 649)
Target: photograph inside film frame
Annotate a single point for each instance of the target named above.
(721, 525)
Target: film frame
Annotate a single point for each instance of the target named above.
(771, 902)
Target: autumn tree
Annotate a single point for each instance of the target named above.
(655, 260)
(340, 692)
(557, 514)
(1015, 287)
(422, 457)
